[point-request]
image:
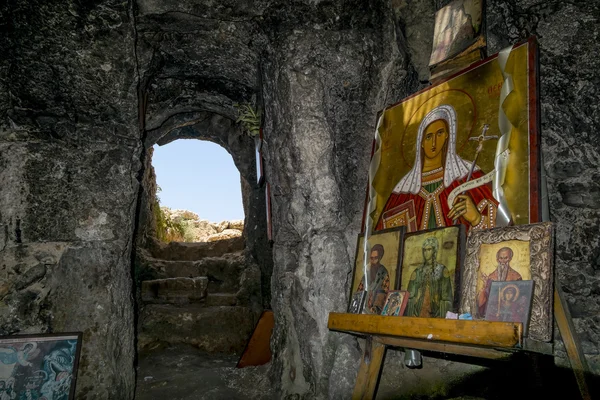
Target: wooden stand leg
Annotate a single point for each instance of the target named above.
(369, 371)
(568, 334)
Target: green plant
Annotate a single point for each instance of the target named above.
(249, 117)
(167, 229)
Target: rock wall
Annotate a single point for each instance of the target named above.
(146, 214)
(327, 72)
(71, 148)
(69, 155)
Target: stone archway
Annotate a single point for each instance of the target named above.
(193, 70)
(71, 130)
(202, 297)
(223, 131)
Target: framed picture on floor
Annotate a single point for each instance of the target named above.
(39, 366)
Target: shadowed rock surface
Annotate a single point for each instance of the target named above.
(203, 296)
(184, 373)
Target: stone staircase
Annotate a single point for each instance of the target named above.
(203, 294)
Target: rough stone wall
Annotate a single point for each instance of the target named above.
(146, 217)
(326, 74)
(70, 151)
(69, 154)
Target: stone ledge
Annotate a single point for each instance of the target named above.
(218, 329)
(181, 251)
(174, 290)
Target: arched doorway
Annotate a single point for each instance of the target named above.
(195, 299)
(199, 192)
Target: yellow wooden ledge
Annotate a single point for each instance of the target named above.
(479, 333)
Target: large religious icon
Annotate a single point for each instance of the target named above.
(378, 275)
(510, 302)
(430, 271)
(512, 254)
(444, 158)
(39, 366)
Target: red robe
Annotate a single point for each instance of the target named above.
(478, 194)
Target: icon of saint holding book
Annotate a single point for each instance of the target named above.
(420, 199)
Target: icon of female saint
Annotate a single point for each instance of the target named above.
(423, 192)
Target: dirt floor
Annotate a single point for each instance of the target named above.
(185, 373)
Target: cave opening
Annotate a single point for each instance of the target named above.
(200, 285)
(198, 192)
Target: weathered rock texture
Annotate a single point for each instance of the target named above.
(324, 82)
(196, 229)
(181, 290)
(208, 300)
(69, 155)
(184, 373)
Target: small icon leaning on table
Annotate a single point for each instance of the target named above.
(395, 304)
(356, 305)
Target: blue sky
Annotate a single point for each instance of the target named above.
(199, 176)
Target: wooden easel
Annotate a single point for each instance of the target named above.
(480, 339)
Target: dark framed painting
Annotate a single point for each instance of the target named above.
(39, 366)
(430, 271)
(395, 304)
(442, 158)
(376, 268)
(514, 253)
(510, 301)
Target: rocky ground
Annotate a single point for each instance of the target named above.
(182, 372)
(201, 230)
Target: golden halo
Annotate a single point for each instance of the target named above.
(464, 106)
(517, 291)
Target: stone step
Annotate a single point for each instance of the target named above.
(174, 290)
(221, 299)
(218, 329)
(181, 251)
(223, 272)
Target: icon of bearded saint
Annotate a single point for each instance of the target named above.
(438, 170)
